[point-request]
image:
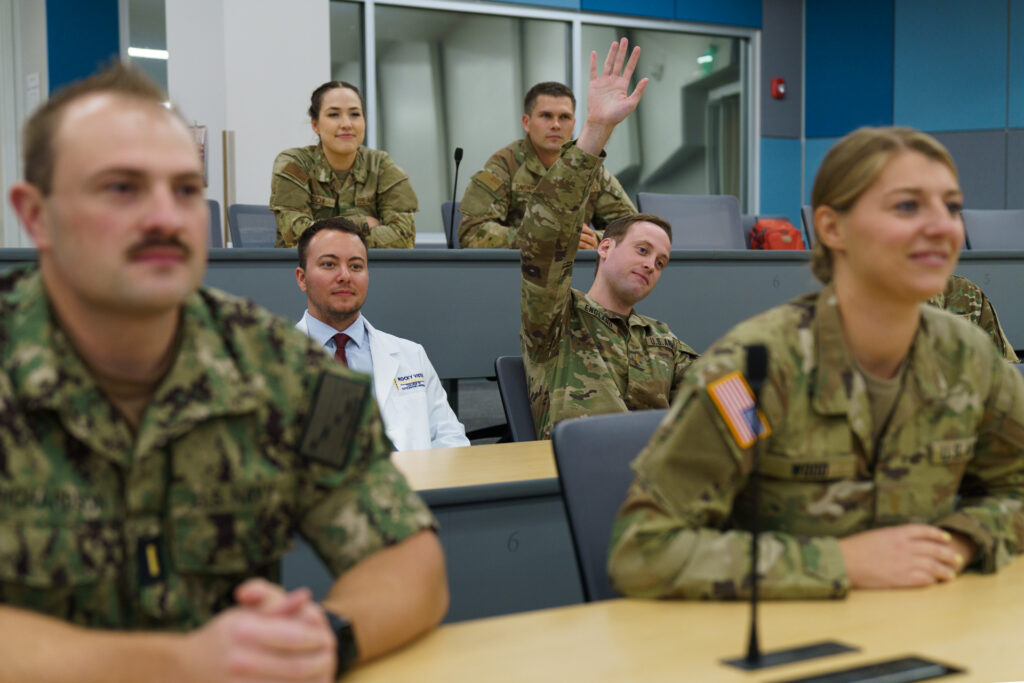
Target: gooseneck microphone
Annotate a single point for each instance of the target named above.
(757, 371)
(455, 187)
(909, 668)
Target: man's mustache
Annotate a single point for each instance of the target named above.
(159, 241)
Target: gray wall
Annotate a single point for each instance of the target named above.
(782, 39)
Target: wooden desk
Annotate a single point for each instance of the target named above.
(503, 527)
(973, 622)
(499, 463)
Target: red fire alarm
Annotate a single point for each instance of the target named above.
(778, 86)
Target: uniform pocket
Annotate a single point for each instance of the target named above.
(50, 556)
(818, 495)
(923, 483)
(246, 540)
(68, 571)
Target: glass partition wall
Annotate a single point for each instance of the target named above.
(439, 75)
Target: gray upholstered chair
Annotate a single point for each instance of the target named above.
(593, 456)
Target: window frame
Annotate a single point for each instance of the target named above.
(750, 67)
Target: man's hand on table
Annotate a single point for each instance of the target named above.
(272, 635)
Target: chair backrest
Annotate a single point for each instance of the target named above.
(994, 228)
(216, 234)
(698, 221)
(593, 456)
(807, 218)
(747, 223)
(451, 228)
(251, 225)
(515, 397)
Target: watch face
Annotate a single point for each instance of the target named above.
(347, 650)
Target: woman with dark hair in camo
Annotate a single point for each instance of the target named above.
(338, 176)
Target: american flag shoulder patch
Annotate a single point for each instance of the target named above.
(735, 402)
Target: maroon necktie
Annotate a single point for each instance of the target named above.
(340, 340)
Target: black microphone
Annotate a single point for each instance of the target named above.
(455, 187)
(757, 371)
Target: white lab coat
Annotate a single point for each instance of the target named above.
(412, 402)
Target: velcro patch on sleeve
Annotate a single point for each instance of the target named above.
(333, 420)
(735, 402)
(489, 180)
(296, 172)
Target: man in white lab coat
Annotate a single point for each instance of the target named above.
(334, 273)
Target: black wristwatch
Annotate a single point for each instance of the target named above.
(348, 651)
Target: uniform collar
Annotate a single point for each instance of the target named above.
(46, 373)
(589, 306)
(324, 172)
(839, 388)
(530, 159)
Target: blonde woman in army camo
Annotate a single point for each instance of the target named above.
(339, 176)
(892, 456)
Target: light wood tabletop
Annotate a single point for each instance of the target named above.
(973, 623)
(440, 468)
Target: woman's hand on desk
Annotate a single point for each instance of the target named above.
(904, 556)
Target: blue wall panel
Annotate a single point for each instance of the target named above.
(730, 12)
(1016, 64)
(814, 153)
(664, 9)
(81, 35)
(848, 67)
(950, 64)
(780, 178)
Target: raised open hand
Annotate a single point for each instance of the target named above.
(608, 98)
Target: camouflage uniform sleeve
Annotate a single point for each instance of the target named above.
(684, 359)
(548, 241)
(289, 198)
(350, 512)
(967, 300)
(989, 322)
(992, 490)
(396, 204)
(484, 209)
(672, 537)
(612, 202)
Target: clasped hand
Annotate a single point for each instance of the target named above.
(270, 636)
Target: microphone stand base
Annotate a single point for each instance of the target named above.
(791, 655)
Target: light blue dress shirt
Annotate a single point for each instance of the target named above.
(357, 350)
